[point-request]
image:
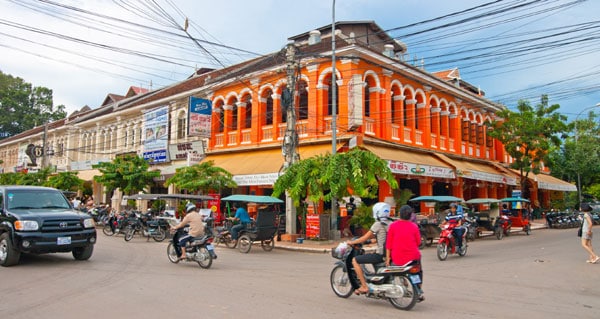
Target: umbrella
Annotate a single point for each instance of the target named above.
(482, 200)
(436, 199)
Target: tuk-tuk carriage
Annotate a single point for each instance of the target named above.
(517, 209)
(429, 225)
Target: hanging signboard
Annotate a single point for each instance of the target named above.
(199, 118)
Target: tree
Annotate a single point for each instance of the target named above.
(128, 173)
(324, 177)
(528, 135)
(202, 177)
(66, 181)
(24, 106)
(38, 178)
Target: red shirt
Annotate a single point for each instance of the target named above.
(403, 240)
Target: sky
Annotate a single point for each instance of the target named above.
(511, 49)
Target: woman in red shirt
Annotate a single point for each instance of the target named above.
(402, 242)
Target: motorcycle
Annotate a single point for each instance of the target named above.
(398, 284)
(447, 242)
(146, 226)
(199, 250)
(471, 227)
(502, 226)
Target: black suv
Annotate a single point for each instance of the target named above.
(41, 220)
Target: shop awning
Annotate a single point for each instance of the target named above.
(412, 163)
(478, 171)
(260, 167)
(545, 181)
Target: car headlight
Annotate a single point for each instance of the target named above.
(88, 223)
(26, 225)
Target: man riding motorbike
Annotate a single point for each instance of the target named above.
(381, 213)
(196, 224)
(455, 217)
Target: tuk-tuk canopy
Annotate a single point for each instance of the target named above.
(514, 199)
(259, 199)
(167, 196)
(436, 199)
(482, 200)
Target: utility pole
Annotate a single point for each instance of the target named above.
(290, 140)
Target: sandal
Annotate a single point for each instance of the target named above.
(596, 259)
(360, 291)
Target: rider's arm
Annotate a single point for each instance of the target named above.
(183, 222)
(368, 235)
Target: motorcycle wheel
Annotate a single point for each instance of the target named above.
(267, 245)
(507, 232)
(204, 258)
(423, 241)
(499, 233)
(129, 234)
(244, 243)
(463, 251)
(228, 240)
(107, 230)
(403, 286)
(528, 230)
(442, 251)
(160, 235)
(340, 283)
(172, 254)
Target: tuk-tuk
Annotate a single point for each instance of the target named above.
(428, 225)
(517, 209)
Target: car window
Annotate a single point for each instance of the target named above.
(36, 199)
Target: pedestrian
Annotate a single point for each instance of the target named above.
(350, 208)
(586, 233)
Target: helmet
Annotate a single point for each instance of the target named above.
(190, 207)
(453, 205)
(381, 210)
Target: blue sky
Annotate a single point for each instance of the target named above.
(510, 49)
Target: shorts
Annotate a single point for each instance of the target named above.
(369, 259)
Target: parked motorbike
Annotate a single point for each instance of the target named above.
(221, 234)
(502, 226)
(147, 227)
(398, 284)
(199, 250)
(471, 226)
(447, 242)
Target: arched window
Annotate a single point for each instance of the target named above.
(248, 119)
(269, 107)
(234, 115)
(302, 100)
(367, 99)
(330, 97)
(181, 125)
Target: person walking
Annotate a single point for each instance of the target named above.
(586, 233)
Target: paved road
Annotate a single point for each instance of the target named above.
(539, 276)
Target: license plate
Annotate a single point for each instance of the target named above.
(415, 279)
(210, 247)
(63, 240)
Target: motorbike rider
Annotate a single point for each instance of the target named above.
(403, 241)
(381, 213)
(455, 218)
(196, 224)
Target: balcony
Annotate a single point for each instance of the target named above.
(232, 138)
(395, 132)
(246, 136)
(267, 133)
(369, 126)
(407, 132)
(418, 137)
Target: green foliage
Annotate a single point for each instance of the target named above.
(202, 177)
(326, 176)
(529, 134)
(67, 181)
(129, 173)
(363, 216)
(10, 178)
(24, 106)
(402, 196)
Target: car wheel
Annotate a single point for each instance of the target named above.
(83, 253)
(9, 256)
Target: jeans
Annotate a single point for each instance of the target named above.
(236, 229)
(458, 232)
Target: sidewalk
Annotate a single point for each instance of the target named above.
(324, 246)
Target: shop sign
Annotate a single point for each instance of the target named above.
(256, 179)
(398, 167)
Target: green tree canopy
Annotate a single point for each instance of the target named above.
(66, 181)
(329, 176)
(202, 177)
(24, 106)
(528, 135)
(128, 173)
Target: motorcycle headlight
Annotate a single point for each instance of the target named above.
(26, 225)
(88, 223)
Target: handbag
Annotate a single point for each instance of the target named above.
(580, 231)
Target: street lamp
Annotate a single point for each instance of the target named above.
(579, 191)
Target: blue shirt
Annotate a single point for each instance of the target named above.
(243, 216)
(454, 218)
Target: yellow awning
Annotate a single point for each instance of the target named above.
(412, 163)
(545, 181)
(88, 174)
(261, 161)
(478, 171)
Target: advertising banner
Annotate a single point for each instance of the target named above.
(156, 137)
(200, 111)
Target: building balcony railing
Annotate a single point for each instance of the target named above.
(369, 126)
(232, 138)
(267, 133)
(443, 142)
(395, 132)
(407, 132)
(418, 137)
(246, 136)
(219, 140)
(434, 141)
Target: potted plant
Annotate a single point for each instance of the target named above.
(363, 219)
